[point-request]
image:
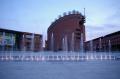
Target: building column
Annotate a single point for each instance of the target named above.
(32, 43)
(23, 43)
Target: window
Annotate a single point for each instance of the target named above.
(77, 29)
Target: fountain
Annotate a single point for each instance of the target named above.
(52, 42)
(64, 56)
(12, 42)
(63, 44)
(66, 44)
(32, 43)
(12, 47)
(100, 47)
(23, 41)
(81, 43)
(91, 46)
(3, 42)
(91, 49)
(81, 46)
(109, 48)
(72, 42)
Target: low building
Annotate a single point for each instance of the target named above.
(16, 40)
(110, 42)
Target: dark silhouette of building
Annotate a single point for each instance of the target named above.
(63, 27)
(105, 43)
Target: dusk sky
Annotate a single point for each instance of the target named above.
(102, 16)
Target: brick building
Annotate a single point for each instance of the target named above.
(69, 26)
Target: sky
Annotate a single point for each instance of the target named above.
(35, 16)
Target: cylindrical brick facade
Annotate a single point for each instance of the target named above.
(64, 27)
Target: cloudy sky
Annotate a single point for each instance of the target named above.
(35, 16)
